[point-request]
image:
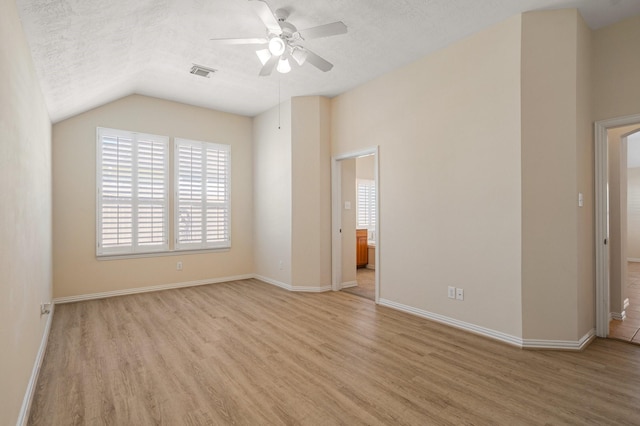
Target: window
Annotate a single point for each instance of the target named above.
(202, 186)
(366, 204)
(132, 205)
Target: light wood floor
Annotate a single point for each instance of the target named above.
(366, 284)
(629, 329)
(252, 354)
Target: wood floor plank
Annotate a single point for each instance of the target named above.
(248, 353)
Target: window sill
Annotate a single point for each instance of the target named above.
(160, 253)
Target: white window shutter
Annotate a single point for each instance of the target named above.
(202, 207)
(132, 197)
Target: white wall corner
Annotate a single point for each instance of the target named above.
(23, 417)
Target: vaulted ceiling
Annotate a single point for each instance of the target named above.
(90, 52)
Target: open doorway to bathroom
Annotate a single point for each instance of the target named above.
(355, 204)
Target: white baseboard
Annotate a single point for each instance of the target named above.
(349, 284)
(23, 417)
(494, 334)
(369, 266)
(565, 345)
(633, 259)
(620, 316)
(290, 287)
(137, 290)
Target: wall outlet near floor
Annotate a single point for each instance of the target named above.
(451, 292)
(280, 265)
(459, 294)
(45, 308)
(179, 266)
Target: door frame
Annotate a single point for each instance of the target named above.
(602, 226)
(336, 216)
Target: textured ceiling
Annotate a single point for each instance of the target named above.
(90, 52)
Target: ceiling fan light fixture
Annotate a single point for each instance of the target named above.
(283, 66)
(299, 54)
(264, 55)
(276, 46)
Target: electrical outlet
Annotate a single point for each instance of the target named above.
(179, 266)
(459, 294)
(451, 292)
(280, 265)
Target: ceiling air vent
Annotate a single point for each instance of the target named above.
(201, 71)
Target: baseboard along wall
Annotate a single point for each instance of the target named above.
(23, 417)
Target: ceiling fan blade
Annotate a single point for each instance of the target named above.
(268, 67)
(266, 15)
(318, 62)
(326, 30)
(261, 40)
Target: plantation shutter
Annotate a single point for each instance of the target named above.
(202, 207)
(132, 192)
(366, 204)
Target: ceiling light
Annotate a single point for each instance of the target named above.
(299, 54)
(264, 55)
(283, 66)
(276, 46)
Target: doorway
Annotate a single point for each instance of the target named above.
(605, 308)
(347, 225)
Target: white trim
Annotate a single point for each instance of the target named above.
(92, 296)
(633, 259)
(23, 417)
(567, 345)
(370, 266)
(601, 231)
(292, 288)
(619, 316)
(349, 284)
(493, 334)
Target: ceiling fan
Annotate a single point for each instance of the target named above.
(283, 40)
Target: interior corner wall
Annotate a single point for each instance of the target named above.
(615, 64)
(76, 269)
(549, 175)
(25, 215)
(448, 130)
(633, 214)
(272, 197)
(585, 158)
(617, 158)
(310, 192)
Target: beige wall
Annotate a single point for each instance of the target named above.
(311, 192)
(365, 167)
(633, 213)
(448, 127)
(25, 214)
(552, 127)
(272, 193)
(617, 156)
(585, 158)
(348, 220)
(76, 269)
(615, 69)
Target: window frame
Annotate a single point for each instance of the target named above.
(135, 248)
